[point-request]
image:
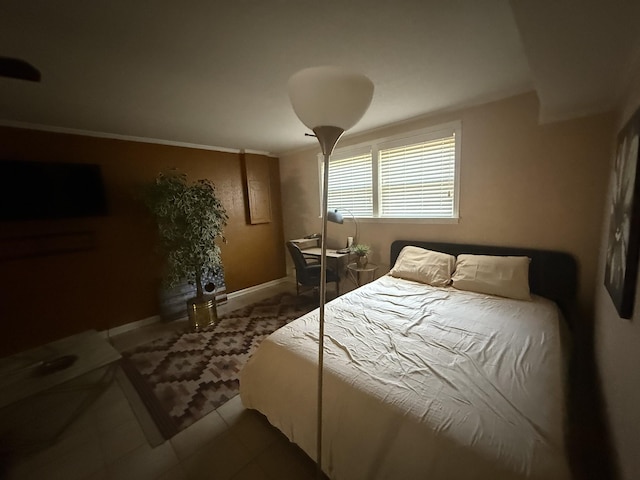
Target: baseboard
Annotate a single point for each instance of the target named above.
(110, 332)
(257, 288)
(156, 318)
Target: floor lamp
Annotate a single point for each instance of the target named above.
(329, 100)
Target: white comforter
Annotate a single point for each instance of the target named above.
(420, 383)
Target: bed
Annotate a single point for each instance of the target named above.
(424, 381)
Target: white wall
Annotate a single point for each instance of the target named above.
(521, 184)
(618, 353)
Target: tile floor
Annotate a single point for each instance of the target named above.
(106, 441)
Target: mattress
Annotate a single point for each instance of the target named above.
(420, 382)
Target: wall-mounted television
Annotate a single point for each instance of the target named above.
(50, 190)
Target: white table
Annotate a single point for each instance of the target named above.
(361, 275)
(19, 376)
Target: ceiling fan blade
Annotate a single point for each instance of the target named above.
(16, 68)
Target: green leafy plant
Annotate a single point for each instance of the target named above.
(360, 249)
(190, 218)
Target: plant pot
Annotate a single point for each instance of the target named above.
(362, 261)
(202, 312)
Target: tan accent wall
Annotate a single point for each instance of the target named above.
(521, 184)
(117, 279)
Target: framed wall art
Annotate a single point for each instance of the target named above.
(621, 270)
(258, 189)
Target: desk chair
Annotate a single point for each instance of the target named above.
(308, 274)
(310, 259)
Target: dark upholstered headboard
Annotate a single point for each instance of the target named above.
(553, 275)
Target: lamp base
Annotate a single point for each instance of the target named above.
(202, 312)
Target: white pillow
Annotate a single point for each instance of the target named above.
(502, 276)
(424, 266)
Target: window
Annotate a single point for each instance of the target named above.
(351, 183)
(412, 176)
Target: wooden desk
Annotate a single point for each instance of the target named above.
(332, 256)
(330, 253)
(304, 243)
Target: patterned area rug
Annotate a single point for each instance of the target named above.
(185, 375)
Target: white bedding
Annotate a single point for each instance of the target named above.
(420, 383)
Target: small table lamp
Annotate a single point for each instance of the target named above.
(336, 217)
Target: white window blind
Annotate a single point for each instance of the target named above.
(351, 185)
(418, 180)
(406, 177)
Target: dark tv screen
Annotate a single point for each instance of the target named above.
(50, 190)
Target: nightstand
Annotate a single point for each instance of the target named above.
(361, 275)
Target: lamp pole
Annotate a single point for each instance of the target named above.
(328, 137)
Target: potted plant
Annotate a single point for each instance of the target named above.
(190, 219)
(361, 251)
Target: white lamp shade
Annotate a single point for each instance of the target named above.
(329, 96)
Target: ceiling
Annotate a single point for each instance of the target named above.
(214, 73)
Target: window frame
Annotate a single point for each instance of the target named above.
(407, 138)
